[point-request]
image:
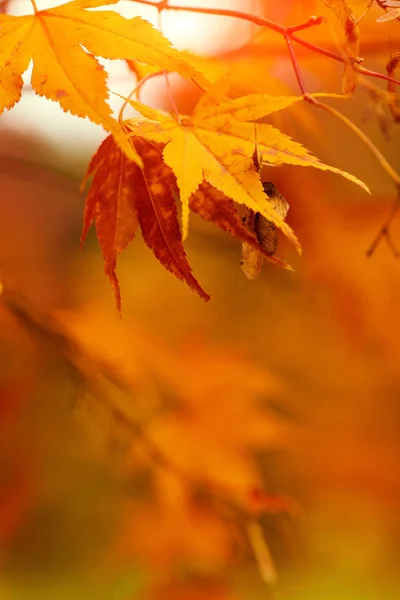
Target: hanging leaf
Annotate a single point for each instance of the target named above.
(122, 196)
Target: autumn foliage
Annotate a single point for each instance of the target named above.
(186, 459)
(149, 162)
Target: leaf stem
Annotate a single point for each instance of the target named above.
(384, 232)
(134, 91)
(171, 98)
(386, 166)
(35, 8)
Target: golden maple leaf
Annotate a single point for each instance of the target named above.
(197, 153)
(64, 71)
(250, 107)
(217, 149)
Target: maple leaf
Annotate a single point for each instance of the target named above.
(218, 149)
(196, 154)
(64, 71)
(250, 107)
(123, 196)
(275, 147)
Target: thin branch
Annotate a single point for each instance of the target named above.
(384, 232)
(171, 98)
(386, 166)
(375, 74)
(312, 21)
(134, 91)
(296, 66)
(273, 26)
(391, 244)
(364, 14)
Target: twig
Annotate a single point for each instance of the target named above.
(386, 166)
(134, 91)
(296, 66)
(384, 232)
(286, 32)
(367, 8)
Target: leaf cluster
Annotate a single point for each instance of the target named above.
(150, 163)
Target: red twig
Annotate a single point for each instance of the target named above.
(296, 66)
(286, 32)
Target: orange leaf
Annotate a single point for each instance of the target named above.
(111, 203)
(99, 167)
(156, 209)
(121, 196)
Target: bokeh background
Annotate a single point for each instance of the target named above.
(237, 450)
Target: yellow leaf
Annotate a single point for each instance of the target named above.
(183, 154)
(251, 107)
(222, 160)
(63, 71)
(277, 148)
(220, 154)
